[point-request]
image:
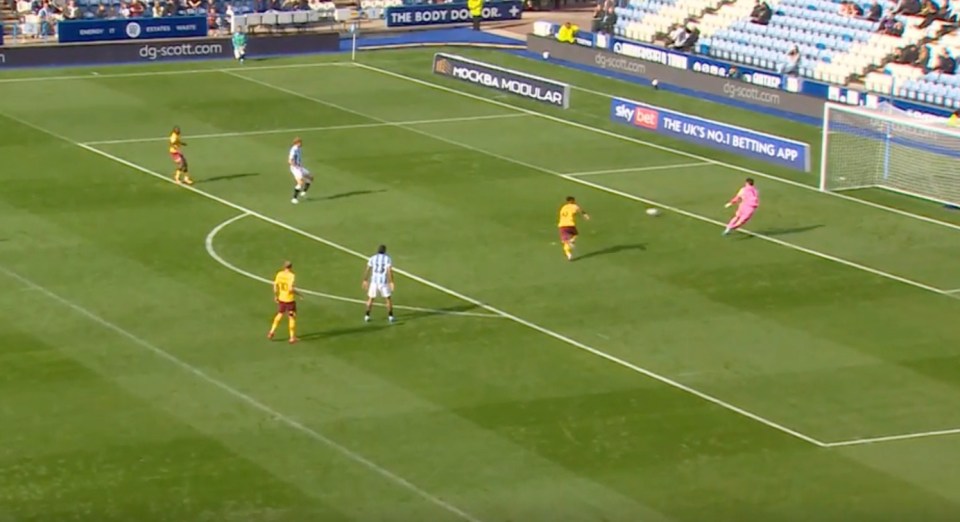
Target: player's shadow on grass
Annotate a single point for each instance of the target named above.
(352, 194)
(228, 177)
(785, 231)
(616, 249)
(361, 328)
(405, 315)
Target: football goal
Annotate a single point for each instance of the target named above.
(890, 149)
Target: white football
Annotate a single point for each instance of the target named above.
(653, 212)
(546, 55)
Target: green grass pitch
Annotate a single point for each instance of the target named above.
(807, 371)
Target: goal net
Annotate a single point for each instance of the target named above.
(890, 149)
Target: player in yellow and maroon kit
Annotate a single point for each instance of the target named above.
(285, 295)
(176, 153)
(567, 224)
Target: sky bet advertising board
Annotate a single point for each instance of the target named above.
(132, 29)
(738, 140)
(435, 14)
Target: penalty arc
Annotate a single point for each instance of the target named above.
(212, 252)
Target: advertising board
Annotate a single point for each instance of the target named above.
(162, 51)
(724, 90)
(439, 14)
(701, 131)
(506, 80)
(71, 31)
(742, 73)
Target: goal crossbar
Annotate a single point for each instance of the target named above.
(891, 150)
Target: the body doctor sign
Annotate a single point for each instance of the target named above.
(506, 80)
(438, 14)
(758, 145)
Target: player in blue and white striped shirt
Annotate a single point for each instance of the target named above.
(300, 173)
(378, 281)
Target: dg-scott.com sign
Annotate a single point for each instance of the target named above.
(728, 89)
(162, 51)
(505, 80)
(730, 138)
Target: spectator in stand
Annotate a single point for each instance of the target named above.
(72, 12)
(609, 20)
(761, 13)
(850, 9)
(954, 119)
(684, 37)
(875, 12)
(791, 65)
(124, 10)
(289, 5)
(101, 12)
(567, 33)
(889, 26)
(677, 37)
(45, 14)
(947, 13)
(156, 10)
(170, 8)
(907, 7)
(929, 11)
(907, 55)
(946, 64)
(137, 9)
(923, 58)
(195, 5)
(693, 36)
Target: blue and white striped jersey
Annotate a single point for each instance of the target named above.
(296, 156)
(379, 265)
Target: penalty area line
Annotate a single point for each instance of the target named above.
(639, 169)
(313, 129)
(208, 243)
(893, 438)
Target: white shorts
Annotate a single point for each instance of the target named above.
(239, 51)
(299, 173)
(378, 290)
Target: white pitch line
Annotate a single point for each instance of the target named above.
(239, 395)
(604, 188)
(954, 291)
(656, 146)
(638, 169)
(172, 72)
(208, 243)
(312, 129)
(892, 438)
(533, 326)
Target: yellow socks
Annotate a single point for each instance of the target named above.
(276, 322)
(292, 325)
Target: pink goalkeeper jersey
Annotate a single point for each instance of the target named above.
(749, 197)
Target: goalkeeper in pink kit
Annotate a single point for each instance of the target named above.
(747, 201)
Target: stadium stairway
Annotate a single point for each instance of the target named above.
(833, 48)
(9, 20)
(646, 20)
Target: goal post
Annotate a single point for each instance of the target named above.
(889, 149)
